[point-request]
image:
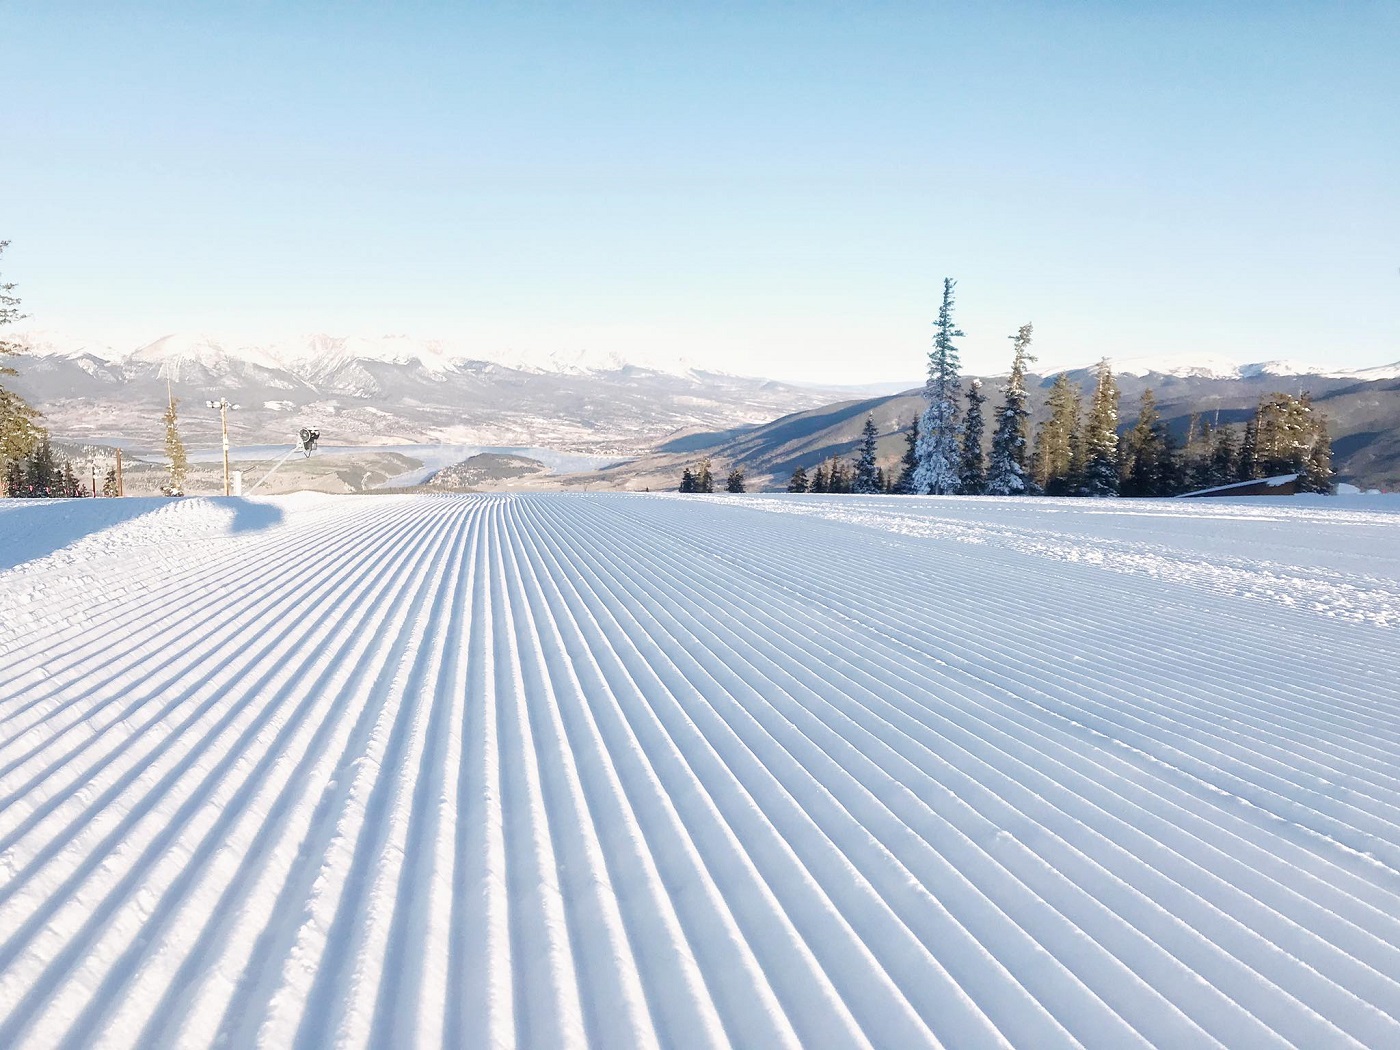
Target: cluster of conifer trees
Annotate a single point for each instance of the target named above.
(701, 478)
(1077, 449)
(40, 475)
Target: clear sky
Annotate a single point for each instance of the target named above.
(772, 188)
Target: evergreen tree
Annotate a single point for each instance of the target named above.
(972, 468)
(799, 482)
(1144, 449)
(904, 485)
(1247, 462)
(1286, 431)
(1195, 465)
(9, 314)
(174, 449)
(938, 451)
(20, 431)
(1317, 475)
(1172, 467)
(68, 486)
(13, 479)
(1224, 460)
(1056, 459)
(1286, 436)
(821, 481)
(838, 477)
(735, 481)
(1009, 472)
(1100, 472)
(687, 480)
(882, 480)
(867, 474)
(704, 477)
(109, 482)
(43, 478)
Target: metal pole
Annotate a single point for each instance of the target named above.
(223, 418)
(120, 490)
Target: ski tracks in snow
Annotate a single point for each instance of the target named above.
(556, 770)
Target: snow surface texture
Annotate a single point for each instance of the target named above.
(556, 770)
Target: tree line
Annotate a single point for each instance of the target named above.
(1077, 449)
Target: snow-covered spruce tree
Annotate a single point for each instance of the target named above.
(174, 449)
(1056, 459)
(687, 480)
(1100, 474)
(798, 482)
(867, 476)
(820, 481)
(704, 477)
(1289, 437)
(972, 468)
(735, 481)
(938, 452)
(909, 465)
(1317, 474)
(109, 482)
(1009, 470)
(20, 432)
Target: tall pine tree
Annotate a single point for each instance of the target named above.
(1008, 472)
(174, 448)
(1100, 473)
(909, 465)
(972, 469)
(867, 476)
(1056, 454)
(20, 431)
(798, 482)
(938, 452)
(1142, 450)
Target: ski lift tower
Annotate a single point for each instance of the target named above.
(223, 406)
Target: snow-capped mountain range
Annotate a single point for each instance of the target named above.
(320, 352)
(390, 390)
(1221, 368)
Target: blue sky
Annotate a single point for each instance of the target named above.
(770, 188)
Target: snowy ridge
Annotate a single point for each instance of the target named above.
(623, 770)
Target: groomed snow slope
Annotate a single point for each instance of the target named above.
(624, 770)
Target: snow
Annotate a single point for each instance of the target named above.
(626, 770)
